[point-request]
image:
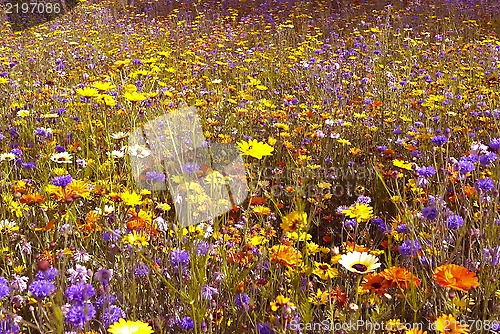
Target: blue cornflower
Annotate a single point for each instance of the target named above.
(59, 149)
(202, 248)
(141, 270)
(41, 288)
(495, 144)
(379, 222)
(179, 257)
(264, 328)
(28, 165)
(350, 223)
(487, 159)
(409, 248)
(242, 300)
(155, 176)
(50, 274)
(4, 288)
(111, 315)
(454, 222)
(439, 140)
(79, 314)
(426, 171)
(465, 166)
(62, 181)
(104, 300)
(187, 323)
(403, 228)
(492, 255)
(80, 292)
(484, 185)
(429, 213)
(8, 326)
(191, 168)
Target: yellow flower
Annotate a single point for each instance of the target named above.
(87, 92)
(294, 221)
(319, 298)
(130, 327)
(134, 97)
(402, 164)
(324, 271)
(447, 324)
(255, 148)
(344, 141)
(362, 212)
(103, 86)
(136, 239)
(280, 302)
(3, 80)
(131, 199)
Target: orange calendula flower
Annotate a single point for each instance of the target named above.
(400, 277)
(286, 255)
(447, 324)
(455, 277)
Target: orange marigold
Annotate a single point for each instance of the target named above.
(376, 283)
(455, 277)
(286, 255)
(400, 277)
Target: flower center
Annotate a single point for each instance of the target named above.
(360, 267)
(377, 285)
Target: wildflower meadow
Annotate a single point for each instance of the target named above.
(246, 166)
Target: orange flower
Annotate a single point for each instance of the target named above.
(286, 255)
(32, 198)
(376, 283)
(455, 277)
(400, 277)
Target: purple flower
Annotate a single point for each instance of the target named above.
(403, 228)
(111, 315)
(465, 166)
(429, 213)
(379, 222)
(41, 288)
(202, 248)
(242, 300)
(155, 176)
(409, 248)
(264, 328)
(454, 222)
(350, 223)
(492, 255)
(487, 159)
(8, 326)
(439, 140)
(179, 257)
(141, 270)
(4, 288)
(484, 185)
(50, 274)
(103, 275)
(191, 168)
(495, 144)
(207, 292)
(59, 149)
(62, 181)
(187, 323)
(104, 301)
(80, 292)
(426, 171)
(79, 314)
